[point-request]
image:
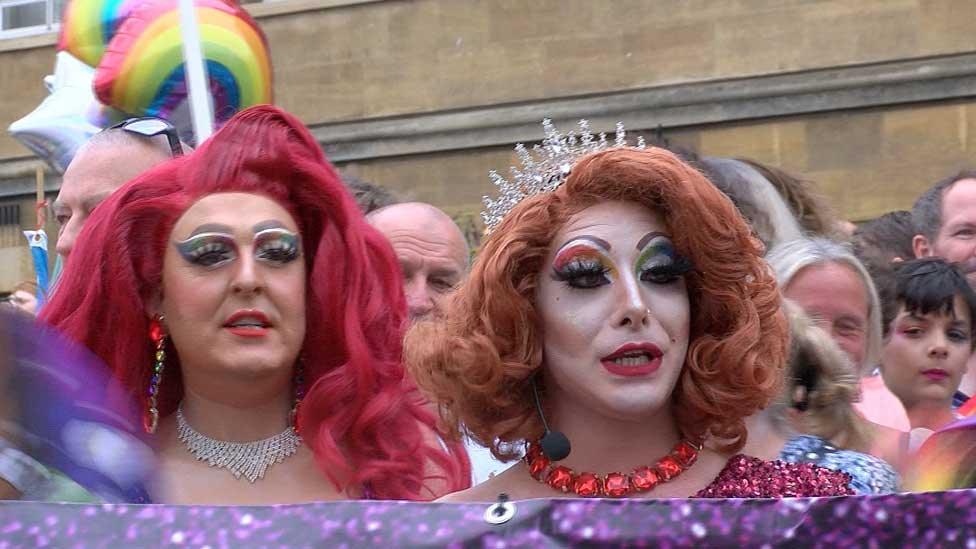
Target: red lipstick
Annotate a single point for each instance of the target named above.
(633, 359)
(248, 323)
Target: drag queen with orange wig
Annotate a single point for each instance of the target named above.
(618, 325)
(240, 294)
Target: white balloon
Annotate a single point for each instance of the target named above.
(67, 117)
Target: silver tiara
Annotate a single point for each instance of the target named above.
(546, 167)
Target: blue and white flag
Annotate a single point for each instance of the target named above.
(38, 246)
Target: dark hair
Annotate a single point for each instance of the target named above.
(927, 211)
(927, 285)
(369, 196)
(879, 241)
(802, 196)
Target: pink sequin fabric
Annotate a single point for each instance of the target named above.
(749, 477)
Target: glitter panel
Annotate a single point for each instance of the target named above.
(935, 519)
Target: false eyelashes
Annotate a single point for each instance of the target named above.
(584, 266)
(666, 272)
(277, 246)
(583, 272)
(274, 246)
(207, 249)
(660, 263)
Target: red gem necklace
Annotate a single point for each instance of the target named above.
(614, 485)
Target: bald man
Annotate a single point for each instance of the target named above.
(431, 249)
(102, 165)
(433, 256)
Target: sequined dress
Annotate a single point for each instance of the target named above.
(749, 477)
(869, 474)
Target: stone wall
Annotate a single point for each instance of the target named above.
(866, 162)
(873, 100)
(396, 57)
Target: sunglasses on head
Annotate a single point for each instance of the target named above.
(149, 126)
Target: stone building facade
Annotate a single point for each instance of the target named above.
(871, 99)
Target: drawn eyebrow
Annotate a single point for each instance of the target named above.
(594, 239)
(211, 228)
(268, 224)
(648, 237)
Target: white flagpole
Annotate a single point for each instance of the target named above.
(201, 107)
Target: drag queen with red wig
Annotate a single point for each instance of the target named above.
(241, 295)
(618, 326)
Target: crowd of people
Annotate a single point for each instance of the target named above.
(634, 322)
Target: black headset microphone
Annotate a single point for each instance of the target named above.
(554, 444)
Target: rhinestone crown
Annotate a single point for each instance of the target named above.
(546, 167)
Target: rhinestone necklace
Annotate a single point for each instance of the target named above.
(247, 459)
(614, 485)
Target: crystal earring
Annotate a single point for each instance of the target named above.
(299, 385)
(158, 336)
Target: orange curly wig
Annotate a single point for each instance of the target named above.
(478, 362)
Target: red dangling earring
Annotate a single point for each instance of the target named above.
(157, 335)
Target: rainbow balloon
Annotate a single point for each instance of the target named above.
(87, 26)
(142, 70)
(947, 460)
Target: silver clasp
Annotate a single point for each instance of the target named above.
(500, 512)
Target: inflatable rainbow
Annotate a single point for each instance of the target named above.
(87, 26)
(141, 71)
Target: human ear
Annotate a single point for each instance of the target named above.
(921, 247)
(154, 304)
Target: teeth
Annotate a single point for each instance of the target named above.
(632, 360)
(248, 324)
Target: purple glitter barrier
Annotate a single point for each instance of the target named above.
(935, 519)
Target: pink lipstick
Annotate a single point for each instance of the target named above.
(935, 374)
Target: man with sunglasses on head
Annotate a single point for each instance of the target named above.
(103, 164)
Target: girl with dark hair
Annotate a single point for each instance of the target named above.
(620, 320)
(240, 293)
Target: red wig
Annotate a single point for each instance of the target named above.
(478, 362)
(363, 420)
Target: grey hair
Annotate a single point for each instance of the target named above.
(790, 258)
(756, 198)
(369, 196)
